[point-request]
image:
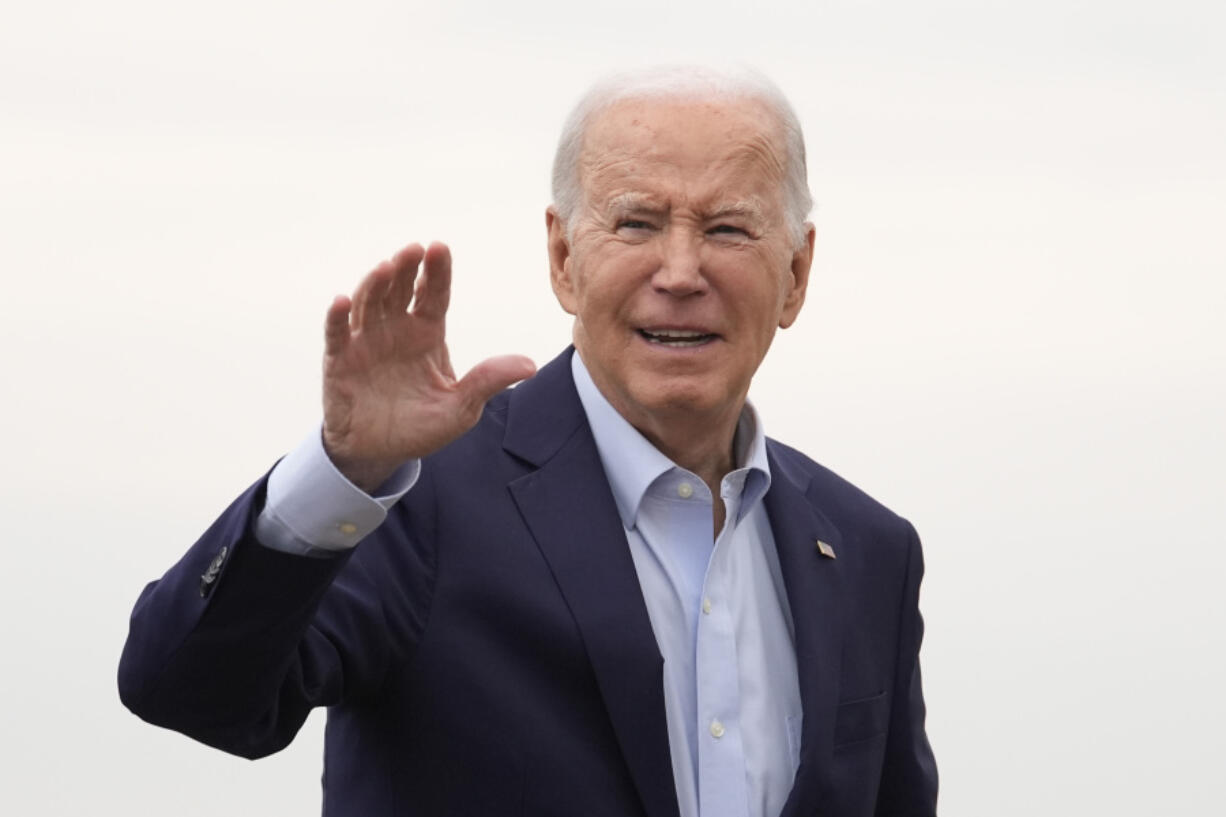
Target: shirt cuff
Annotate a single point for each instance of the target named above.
(312, 509)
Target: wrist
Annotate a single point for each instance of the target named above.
(364, 472)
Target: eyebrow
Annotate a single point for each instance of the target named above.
(628, 202)
(624, 202)
(747, 208)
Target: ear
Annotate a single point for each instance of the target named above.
(559, 261)
(802, 260)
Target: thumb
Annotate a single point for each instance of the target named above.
(493, 375)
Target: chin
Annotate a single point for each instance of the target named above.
(674, 396)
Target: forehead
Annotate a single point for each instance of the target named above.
(695, 148)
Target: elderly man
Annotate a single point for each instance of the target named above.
(603, 592)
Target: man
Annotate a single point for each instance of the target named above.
(603, 591)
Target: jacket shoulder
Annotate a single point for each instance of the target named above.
(848, 507)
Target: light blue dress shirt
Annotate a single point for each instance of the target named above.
(717, 604)
(719, 612)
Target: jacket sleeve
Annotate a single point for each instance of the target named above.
(237, 642)
(909, 776)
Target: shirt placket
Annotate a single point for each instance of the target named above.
(721, 753)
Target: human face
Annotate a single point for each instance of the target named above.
(679, 266)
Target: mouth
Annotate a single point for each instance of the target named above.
(677, 338)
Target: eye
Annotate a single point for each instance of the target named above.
(728, 231)
(633, 224)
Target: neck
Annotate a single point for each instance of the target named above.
(698, 440)
(697, 444)
(701, 448)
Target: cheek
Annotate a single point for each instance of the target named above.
(599, 305)
(611, 285)
(761, 311)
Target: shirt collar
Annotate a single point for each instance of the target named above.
(632, 463)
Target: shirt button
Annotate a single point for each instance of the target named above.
(706, 607)
(685, 490)
(717, 729)
(348, 527)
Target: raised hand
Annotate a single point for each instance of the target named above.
(390, 394)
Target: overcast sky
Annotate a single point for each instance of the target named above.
(1014, 335)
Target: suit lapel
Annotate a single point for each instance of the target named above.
(814, 589)
(569, 508)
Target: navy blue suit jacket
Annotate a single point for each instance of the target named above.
(487, 650)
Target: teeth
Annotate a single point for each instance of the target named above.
(676, 337)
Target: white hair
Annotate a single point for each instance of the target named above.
(683, 83)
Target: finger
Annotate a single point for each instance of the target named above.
(367, 298)
(404, 269)
(491, 376)
(433, 291)
(336, 326)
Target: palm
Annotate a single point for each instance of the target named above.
(390, 393)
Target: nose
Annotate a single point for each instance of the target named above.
(680, 271)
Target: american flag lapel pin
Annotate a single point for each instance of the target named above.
(825, 549)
